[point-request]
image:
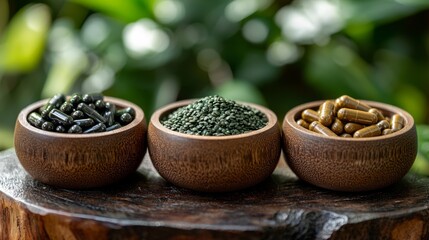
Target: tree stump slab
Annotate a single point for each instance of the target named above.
(144, 206)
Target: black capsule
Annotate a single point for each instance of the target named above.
(35, 119)
(96, 96)
(66, 107)
(75, 129)
(126, 118)
(110, 107)
(91, 112)
(60, 129)
(61, 117)
(87, 99)
(75, 99)
(100, 104)
(91, 105)
(57, 100)
(77, 114)
(46, 109)
(48, 126)
(113, 127)
(128, 110)
(86, 122)
(110, 118)
(100, 127)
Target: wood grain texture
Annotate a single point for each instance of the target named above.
(349, 164)
(144, 206)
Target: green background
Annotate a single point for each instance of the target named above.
(276, 53)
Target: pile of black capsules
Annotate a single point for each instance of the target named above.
(87, 113)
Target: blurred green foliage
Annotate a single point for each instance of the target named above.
(276, 53)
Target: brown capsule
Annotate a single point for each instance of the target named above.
(357, 116)
(370, 131)
(346, 135)
(350, 128)
(326, 115)
(383, 124)
(373, 130)
(397, 122)
(320, 128)
(386, 131)
(349, 102)
(337, 127)
(377, 112)
(310, 115)
(303, 123)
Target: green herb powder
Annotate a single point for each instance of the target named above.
(215, 116)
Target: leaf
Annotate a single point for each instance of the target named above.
(23, 44)
(383, 11)
(125, 10)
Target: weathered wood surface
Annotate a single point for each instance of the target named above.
(144, 206)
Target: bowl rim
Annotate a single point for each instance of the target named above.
(155, 121)
(290, 120)
(22, 119)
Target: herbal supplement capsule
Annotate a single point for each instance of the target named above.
(93, 96)
(61, 117)
(110, 107)
(309, 115)
(303, 123)
(86, 122)
(320, 128)
(372, 131)
(128, 110)
(57, 100)
(60, 129)
(350, 128)
(91, 112)
(126, 118)
(66, 107)
(75, 99)
(100, 127)
(357, 116)
(48, 126)
(100, 104)
(337, 127)
(75, 129)
(397, 122)
(110, 118)
(386, 131)
(46, 109)
(327, 113)
(346, 135)
(87, 99)
(349, 102)
(377, 112)
(113, 127)
(92, 105)
(35, 119)
(77, 114)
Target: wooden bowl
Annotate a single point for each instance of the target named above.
(80, 161)
(349, 164)
(214, 163)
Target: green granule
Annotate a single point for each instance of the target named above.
(215, 116)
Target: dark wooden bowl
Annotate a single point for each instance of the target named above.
(80, 161)
(349, 164)
(214, 163)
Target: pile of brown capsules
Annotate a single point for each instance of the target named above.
(348, 117)
(87, 113)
